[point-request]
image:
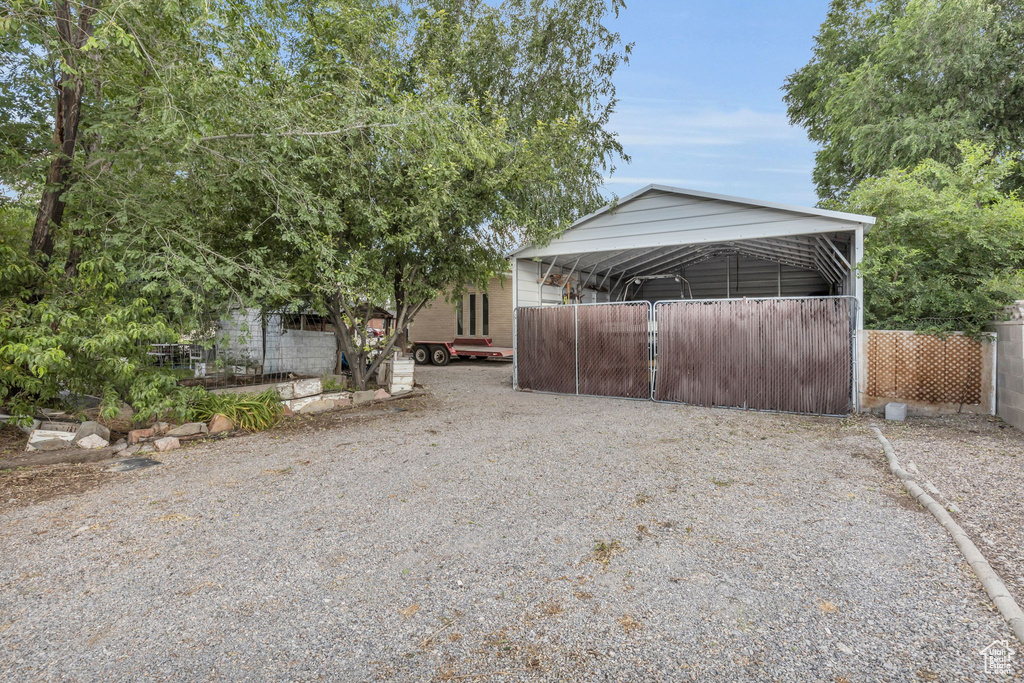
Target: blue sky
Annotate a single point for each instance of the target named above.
(700, 102)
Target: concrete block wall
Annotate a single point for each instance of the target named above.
(303, 352)
(1010, 371)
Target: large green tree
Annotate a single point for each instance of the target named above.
(894, 82)
(484, 128)
(172, 159)
(947, 253)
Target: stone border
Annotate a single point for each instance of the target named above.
(993, 585)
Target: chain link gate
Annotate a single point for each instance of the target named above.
(788, 355)
(585, 349)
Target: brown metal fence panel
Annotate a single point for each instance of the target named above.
(546, 349)
(614, 349)
(792, 355)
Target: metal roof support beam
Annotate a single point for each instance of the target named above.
(544, 279)
(662, 261)
(684, 260)
(842, 259)
(780, 254)
(835, 272)
(771, 256)
(569, 276)
(641, 259)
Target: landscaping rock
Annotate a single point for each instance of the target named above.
(92, 428)
(220, 423)
(342, 402)
(189, 429)
(139, 435)
(145, 448)
(119, 446)
(317, 406)
(288, 412)
(362, 397)
(168, 443)
(379, 394)
(92, 441)
(160, 428)
(131, 449)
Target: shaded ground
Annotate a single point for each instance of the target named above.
(12, 441)
(978, 464)
(29, 485)
(483, 534)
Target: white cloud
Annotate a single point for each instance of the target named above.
(668, 123)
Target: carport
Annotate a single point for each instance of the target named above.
(714, 299)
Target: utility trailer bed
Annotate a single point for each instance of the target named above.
(440, 353)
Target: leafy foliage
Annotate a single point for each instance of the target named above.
(895, 82)
(183, 157)
(948, 250)
(251, 412)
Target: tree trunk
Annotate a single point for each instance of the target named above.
(67, 112)
(65, 137)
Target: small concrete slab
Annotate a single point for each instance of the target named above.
(130, 464)
(52, 445)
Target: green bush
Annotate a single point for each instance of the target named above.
(251, 412)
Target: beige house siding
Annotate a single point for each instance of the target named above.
(436, 322)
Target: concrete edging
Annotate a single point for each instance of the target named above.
(993, 585)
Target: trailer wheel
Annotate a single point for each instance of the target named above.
(421, 354)
(439, 356)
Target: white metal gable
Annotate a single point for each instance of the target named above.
(661, 216)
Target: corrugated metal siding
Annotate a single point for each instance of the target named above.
(734, 276)
(660, 218)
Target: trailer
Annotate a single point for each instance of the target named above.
(440, 353)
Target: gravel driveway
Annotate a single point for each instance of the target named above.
(486, 535)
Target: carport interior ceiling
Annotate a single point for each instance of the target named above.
(667, 242)
(828, 255)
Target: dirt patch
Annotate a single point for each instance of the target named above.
(23, 487)
(12, 441)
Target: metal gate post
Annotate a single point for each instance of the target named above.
(652, 343)
(576, 338)
(515, 349)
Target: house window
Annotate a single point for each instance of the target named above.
(483, 316)
(458, 318)
(472, 315)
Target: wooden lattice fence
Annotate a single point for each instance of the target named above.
(923, 369)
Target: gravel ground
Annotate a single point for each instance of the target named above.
(978, 464)
(486, 535)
